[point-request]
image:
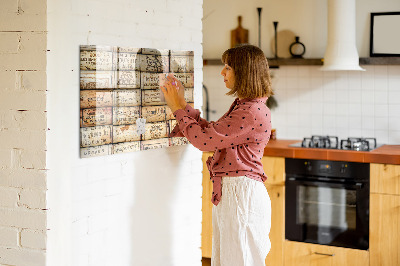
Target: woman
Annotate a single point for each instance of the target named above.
(242, 211)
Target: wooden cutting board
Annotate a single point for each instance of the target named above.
(239, 35)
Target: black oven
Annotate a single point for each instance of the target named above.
(327, 202)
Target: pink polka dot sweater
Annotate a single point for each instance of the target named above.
(238, 139)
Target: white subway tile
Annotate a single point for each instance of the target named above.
(355, 96)
(382, 136)
(381, 110)
(367, 96)
(342, 122)
(380, 84)
(304, 82)
(292, 83)
(304, 72)
(380, 71)
(394, 83)
(355, 122)
(368, 123)
(367, 110)
(367, 133)
(291, 71)
(382, 123)
(394, 110)
(394, 97)
(394, 123)
(329, 109)
(342, 96)
(394, 137)
(355, 132)
(342, 109)
(381, 97)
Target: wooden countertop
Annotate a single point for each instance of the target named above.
(389, 154)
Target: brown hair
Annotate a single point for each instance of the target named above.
(250, 66)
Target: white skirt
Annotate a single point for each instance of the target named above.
(241, 223)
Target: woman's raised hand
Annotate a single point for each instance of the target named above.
(174, 93)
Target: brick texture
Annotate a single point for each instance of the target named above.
(23, 125)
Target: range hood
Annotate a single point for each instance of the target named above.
(341, 51)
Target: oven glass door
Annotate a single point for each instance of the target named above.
(326, 213)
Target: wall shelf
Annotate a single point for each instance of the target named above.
(274, 63)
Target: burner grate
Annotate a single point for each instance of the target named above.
(358, 144)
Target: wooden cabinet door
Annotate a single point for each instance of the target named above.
(274, 168)
(385, 178)
(206, 226)
(277, 233)
(384, 237)
(304, 254)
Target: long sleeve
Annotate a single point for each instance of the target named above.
(231, 130)
(193, 113)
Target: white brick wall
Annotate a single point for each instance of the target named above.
(141, 208)
(22, 132)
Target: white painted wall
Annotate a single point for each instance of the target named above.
(141, 208)
(311, 102)
(305, 18)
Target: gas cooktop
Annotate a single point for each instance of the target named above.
(332, 142)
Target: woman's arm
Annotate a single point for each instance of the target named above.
(237, 128)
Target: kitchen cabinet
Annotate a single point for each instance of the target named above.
(385, 178)
(305, 254)
(385, 215)
(206, 225)
(274, 168)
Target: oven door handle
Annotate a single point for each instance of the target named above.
(357, 185)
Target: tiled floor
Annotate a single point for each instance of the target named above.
(206, 261)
